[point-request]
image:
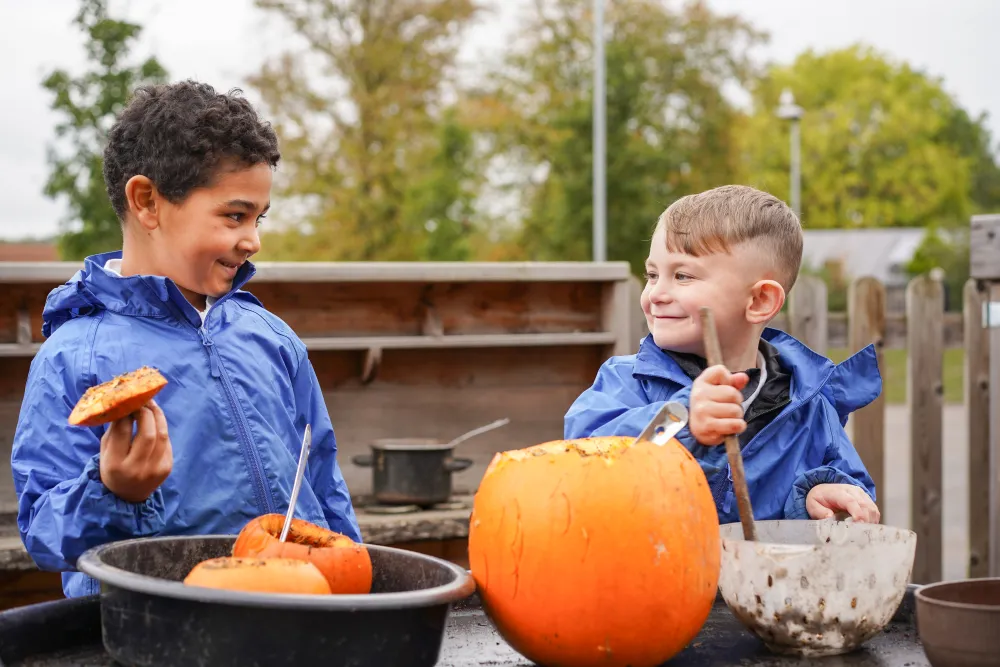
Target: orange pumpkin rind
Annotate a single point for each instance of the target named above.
(117, 398)
(596, 551)
(259, 575)
(345, 563)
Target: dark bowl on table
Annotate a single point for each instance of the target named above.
(150, 617)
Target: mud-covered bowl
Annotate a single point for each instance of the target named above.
(815, 588)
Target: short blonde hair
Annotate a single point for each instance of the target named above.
(716, 220)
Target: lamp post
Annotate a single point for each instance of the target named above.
(600, 222)
(790, 111)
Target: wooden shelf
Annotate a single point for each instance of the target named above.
(57, 273)
(409, 342)
(459, 341)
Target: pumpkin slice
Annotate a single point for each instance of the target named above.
(346, 564)
(117, 398)
(259, 575)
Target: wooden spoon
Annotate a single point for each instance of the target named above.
(714, 356)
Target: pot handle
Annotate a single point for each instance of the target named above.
(455, 465)
(363, 460)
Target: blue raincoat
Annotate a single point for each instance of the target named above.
(804, 445)
(240, 392)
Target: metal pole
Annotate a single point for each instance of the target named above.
(600, 222)
(796, 175)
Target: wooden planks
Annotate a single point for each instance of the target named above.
(925, 390)
(866, 313)
(977, 404)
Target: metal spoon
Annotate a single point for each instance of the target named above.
(667, 423)
(476, 431)
(303, 455)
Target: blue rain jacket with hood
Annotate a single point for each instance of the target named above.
(240, 392)
(804, 445)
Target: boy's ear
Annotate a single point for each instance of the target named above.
(766, 299)
(143, 201)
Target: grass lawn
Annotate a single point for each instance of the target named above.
(894, 373)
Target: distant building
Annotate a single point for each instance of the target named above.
(882, 253)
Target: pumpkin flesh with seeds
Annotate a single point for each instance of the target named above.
(346, 564)
(596, 551)
(117, 398)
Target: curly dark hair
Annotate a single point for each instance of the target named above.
(178, 134)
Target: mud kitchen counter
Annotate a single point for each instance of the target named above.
(415, 350)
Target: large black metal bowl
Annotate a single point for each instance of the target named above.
(150, 617)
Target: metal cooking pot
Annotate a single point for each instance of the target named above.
(411, 471)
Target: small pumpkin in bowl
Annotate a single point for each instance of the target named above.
(259, 575)
(346, 564)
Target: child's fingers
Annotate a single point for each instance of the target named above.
(715, 410)
(162, 441)
(715, 375)
(117, 440)
(717, 394)
(724, 427)
(145, 435)
(739, 380)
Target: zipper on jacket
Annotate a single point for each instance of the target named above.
(249, 451)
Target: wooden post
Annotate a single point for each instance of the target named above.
(977, 406)
(925, 389)
(984, 265)
(866, 319)
(616, 316)
(807, 312)
(993, 322)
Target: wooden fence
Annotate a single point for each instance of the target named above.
(924, 343)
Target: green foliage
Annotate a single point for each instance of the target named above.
(947, 250)
(882, 144)
(373, 151)
(669, 128)
(88, 105)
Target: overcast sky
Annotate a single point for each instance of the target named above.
(220, 41)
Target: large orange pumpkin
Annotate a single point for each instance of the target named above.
(117, 398)
(346, 564)
(596, 552)
(260, 575)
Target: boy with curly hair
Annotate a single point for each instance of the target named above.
(188, 171)
(738, 250)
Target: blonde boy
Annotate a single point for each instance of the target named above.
(738, 250)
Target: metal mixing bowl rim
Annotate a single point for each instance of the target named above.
(461, 587)
(921, 595)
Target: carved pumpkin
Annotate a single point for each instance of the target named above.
(117, 398)
(596, 552)
(345, 563)
(260, 575)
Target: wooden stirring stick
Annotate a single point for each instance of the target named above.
(714, 356)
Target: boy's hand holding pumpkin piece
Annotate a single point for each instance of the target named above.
(132, 468)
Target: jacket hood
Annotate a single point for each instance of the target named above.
(94, 288)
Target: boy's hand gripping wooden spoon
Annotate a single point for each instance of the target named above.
(713, 354)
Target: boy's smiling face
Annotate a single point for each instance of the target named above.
(679, 284)
(200, 242)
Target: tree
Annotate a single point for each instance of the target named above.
(882, 144)
(376, 163)
(669, 126)
(89, 104)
